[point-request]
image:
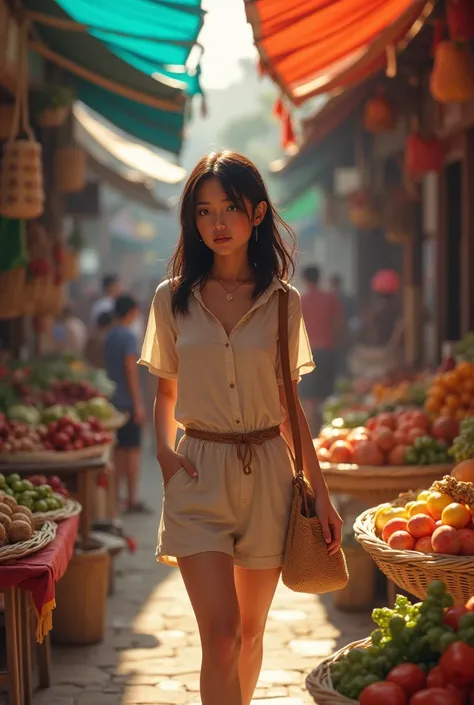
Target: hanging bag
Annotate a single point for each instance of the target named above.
(307, 565)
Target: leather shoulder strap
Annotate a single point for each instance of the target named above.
(283, 314)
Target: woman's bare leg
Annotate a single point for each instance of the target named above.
(255, 591)
(209, 581)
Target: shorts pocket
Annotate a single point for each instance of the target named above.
(173, 478)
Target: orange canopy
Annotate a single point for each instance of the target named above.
(313, 46)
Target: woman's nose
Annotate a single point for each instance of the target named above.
(219, 224)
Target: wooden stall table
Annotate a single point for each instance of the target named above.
(81, 474)
(28, 585)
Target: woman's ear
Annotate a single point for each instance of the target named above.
(260, 212)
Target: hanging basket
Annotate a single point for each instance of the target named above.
(13, 291)
(362, 211)
(70, 265)
(53, 117)
(6, 121)
(70, 169)
(52, 298)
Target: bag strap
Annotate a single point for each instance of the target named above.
(283, 315)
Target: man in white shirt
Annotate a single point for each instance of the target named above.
(112, 288)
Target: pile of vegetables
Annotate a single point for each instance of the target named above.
(465, 348)
(421, 654)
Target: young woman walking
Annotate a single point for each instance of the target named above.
(212, 341)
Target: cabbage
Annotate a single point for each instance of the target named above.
(56, 412)
(98, 407)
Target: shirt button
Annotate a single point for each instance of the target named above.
(227, 345)
(231, 385)
(237, 420)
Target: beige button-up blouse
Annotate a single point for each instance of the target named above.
(226, 383)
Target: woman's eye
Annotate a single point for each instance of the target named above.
(232, 207)
(203, 211)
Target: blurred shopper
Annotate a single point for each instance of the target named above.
(120, 357)
(111, 288)
(325, 322)
(347, 302)
(94, 352)
(69, 333)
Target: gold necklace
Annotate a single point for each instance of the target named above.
(230, 294)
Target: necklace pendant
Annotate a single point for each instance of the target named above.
(229, 297)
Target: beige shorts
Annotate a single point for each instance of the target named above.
(225, 510)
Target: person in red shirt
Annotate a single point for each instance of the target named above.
(325, 322)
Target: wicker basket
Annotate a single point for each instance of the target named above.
(52, 298)
(70, 509)
(52, 457)
(411, 570)
(53, 117)
(70, 169)
(319, 683)
(40, 539)
(374, 485)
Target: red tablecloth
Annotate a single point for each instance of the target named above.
(39, 572)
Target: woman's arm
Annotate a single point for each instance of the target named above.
(330, 520)
(166, 429)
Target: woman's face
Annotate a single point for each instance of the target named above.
(223, 227)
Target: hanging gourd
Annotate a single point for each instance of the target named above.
(422, 156)
(70, 165)
(460, 19)
(379, 115)
(452, 78)
(21, 169)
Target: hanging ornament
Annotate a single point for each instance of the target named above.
(460, 19)
(379, 115)
(452, 78)
(278, 107)
(422, 156)
(288, 139)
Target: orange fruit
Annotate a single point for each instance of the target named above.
(460, 415)
(466, 398)
(450, 380)
(433, 404)
(465, 370)
(437, 391)
(452, 401)
(437, 502)
(419, 507)
(446, 411)
(456, 515)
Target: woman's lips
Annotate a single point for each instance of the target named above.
(222, 239)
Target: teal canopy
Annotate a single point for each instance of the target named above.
(157, 38)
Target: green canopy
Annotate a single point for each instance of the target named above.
(303, 207)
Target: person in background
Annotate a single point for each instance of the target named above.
(94, 352)
(348, 305)
(120, 358)
(112, 288)
(347, 302)
(324, 317)
(69, 333)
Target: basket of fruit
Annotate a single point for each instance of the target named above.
(18, 535)
(392, 453)
(39, 499)
(424, 537)
(418, 654)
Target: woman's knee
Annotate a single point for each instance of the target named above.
(221, 639)
(252, 635)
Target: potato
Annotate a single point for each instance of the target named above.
(20, 531)
(11, 501)
(6, 509)
(3, 535)
(23, 510)
(5, 520)
(17, 516)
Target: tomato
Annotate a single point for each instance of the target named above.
(436, 696)
(453, 615)
(383, 692)
(409, 676)
(435, 678)
(457, 664)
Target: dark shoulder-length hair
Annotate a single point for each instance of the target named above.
(270, 255)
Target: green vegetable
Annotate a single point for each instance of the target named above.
(23, 413)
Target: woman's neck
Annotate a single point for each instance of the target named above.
(232, 268)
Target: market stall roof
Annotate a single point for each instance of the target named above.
(316, 46)
(102, 141)
(306, 205)
(138, 191)
(131, 64)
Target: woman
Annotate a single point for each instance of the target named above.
(212, 340)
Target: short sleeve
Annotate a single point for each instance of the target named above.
(130, 344)
(159, 346)
(301, 358)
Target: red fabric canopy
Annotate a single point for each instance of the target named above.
(313, 46)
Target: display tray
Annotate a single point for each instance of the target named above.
(117, 421)
(70, 509)
(376, 484)
(41, 538)
(53, 457)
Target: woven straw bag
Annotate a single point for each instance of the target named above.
(307, 565)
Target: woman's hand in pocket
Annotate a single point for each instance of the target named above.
(172, 462)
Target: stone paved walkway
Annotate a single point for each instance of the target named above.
(151, 652)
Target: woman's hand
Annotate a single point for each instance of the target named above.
(331, 522)
(172, 462)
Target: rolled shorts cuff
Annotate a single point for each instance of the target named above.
(254, 563)
(260, 562)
